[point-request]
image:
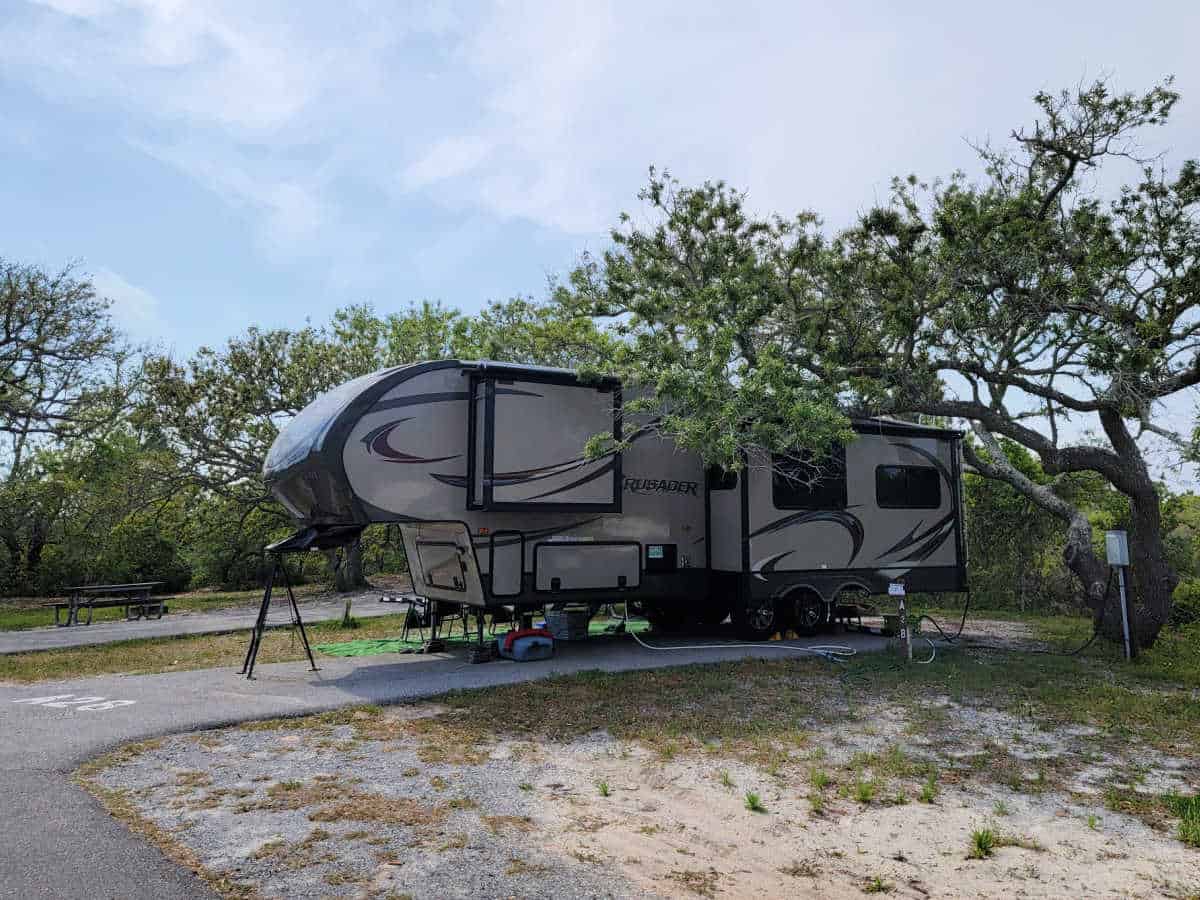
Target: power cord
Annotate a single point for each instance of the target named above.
(963, 622)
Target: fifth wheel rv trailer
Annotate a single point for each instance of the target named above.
(482, 465)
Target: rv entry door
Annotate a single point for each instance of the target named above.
(442, 561)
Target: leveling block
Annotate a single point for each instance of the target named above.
(374, 647)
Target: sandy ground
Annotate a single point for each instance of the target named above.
(404, 803)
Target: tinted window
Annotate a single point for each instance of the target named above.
(797, 484)
(907, 487)
(721, 479)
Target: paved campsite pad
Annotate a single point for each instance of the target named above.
(428, 801)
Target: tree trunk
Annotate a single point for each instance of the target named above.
(1090, 569)
(1153, 579)
(348, 575)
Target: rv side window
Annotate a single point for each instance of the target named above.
(793, 485)
(721, 479)
(907, 487)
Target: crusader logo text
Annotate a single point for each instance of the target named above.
(660, 486)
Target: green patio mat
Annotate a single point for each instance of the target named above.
(375, 646)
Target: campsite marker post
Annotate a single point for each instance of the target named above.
(1116, 546)
(896, 589)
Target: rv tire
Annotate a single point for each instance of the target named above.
(756, 618)
(807, 610)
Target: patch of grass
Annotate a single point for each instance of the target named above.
(727, 779)
(603, 788)
(754, 803)
(345, 876)
(270, 849)
(894, 762)
(525, 786)
(498, 824)
(518, 866)
(367, 807)
(983, 843)
(455, 842)
(18, 614)
(817, 803)
(1000, 808)
(865, 790)
(178, 654)
(1093, 822)
(1025, 842)
(1188, 811)
(802, 868)
(123, 808)
(818, 778)
(702, 883)
(876, 885)
(929, 790)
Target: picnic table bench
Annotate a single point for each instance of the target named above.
(135, 598)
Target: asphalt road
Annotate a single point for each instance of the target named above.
(218, 621)
(57, 842)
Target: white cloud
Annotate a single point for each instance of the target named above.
(448, 158)
(134, 309)
(550, 112)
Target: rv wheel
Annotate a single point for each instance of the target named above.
(756, 619)
(807, 610)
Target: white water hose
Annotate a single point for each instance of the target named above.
(831, 652)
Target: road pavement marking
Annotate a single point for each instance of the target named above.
(88, 704)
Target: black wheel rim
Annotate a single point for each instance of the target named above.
(808, 611)
(761, 615)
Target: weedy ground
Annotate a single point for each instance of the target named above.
(982, 774)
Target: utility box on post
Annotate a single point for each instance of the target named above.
(1116, 546)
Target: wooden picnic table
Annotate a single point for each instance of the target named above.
(135, 596)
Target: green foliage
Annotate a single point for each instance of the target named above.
(689, 297)
(171, 490)
(754, 803)
(1015, 302)
(865, 791)
(1185, 609)
(983, 843)
(1187, 808)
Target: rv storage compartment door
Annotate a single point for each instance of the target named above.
(532, 454)
(587, 566)
(442, 561)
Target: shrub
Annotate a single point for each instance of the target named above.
(1185, 603)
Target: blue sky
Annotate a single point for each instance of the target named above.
(216, 165)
